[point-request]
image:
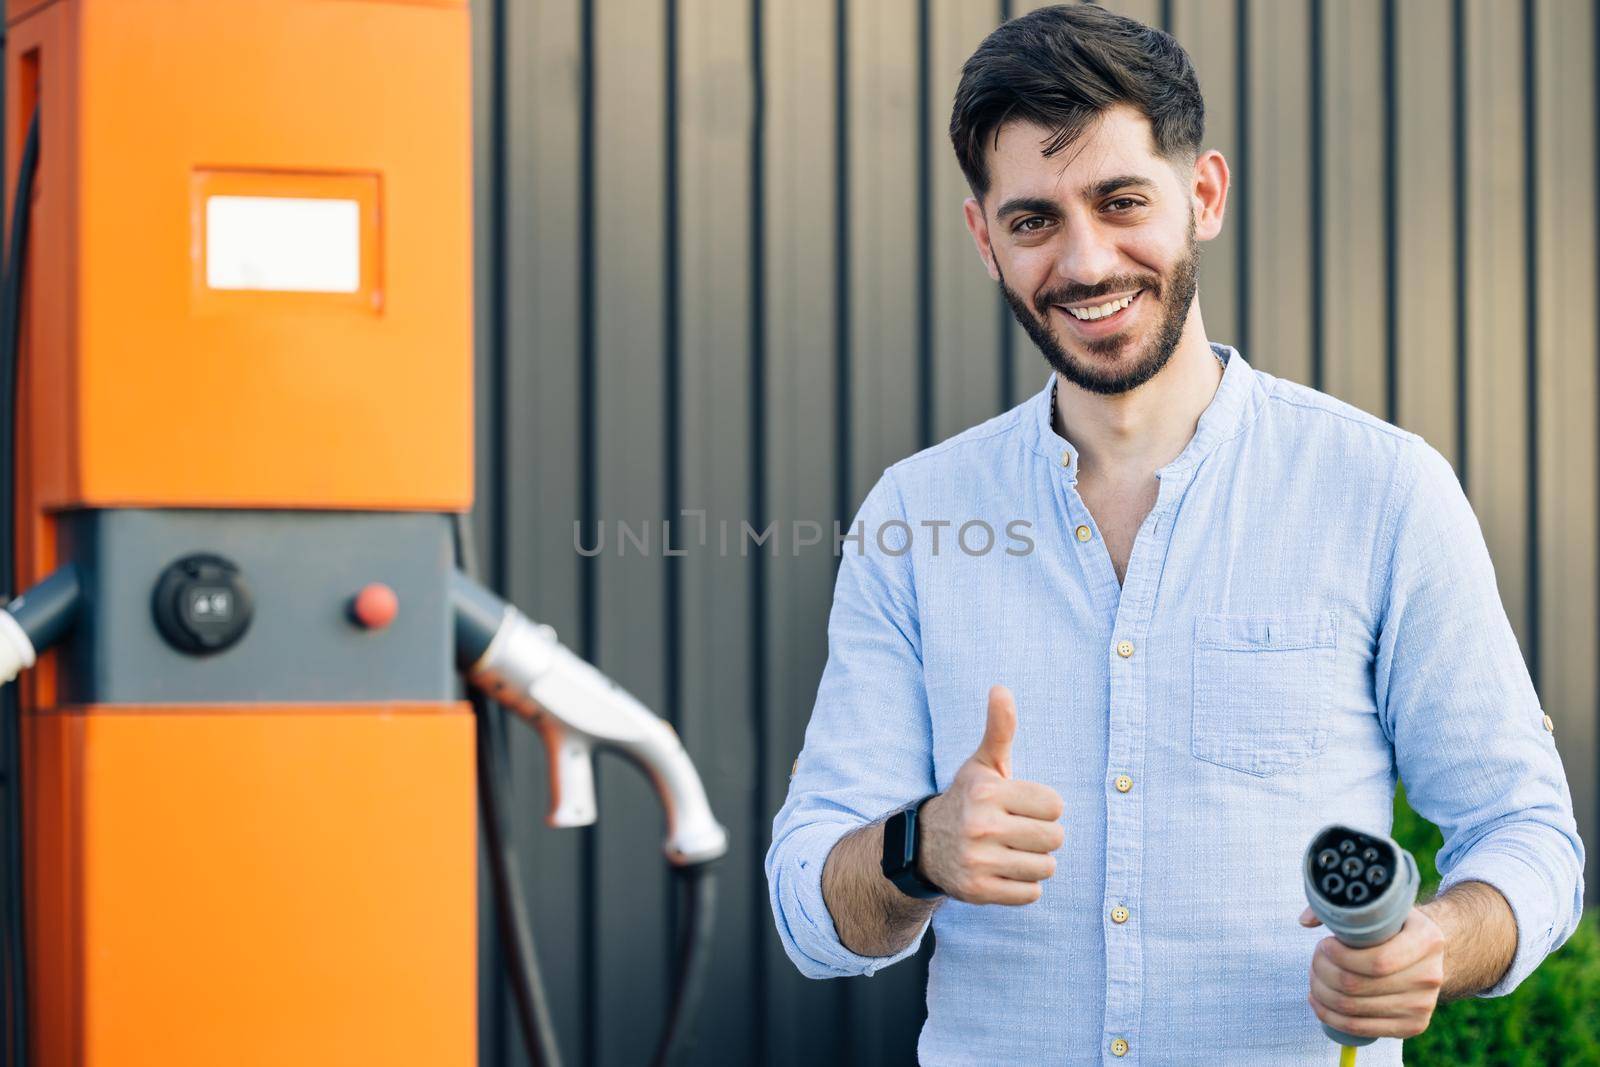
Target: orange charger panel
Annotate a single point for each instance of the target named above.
(291, 885)
(248, 292)
(250, 269)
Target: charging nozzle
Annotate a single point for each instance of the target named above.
(1362, 886)
(576, 709)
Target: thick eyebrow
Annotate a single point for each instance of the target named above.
(1041, 204)
(1044, 205)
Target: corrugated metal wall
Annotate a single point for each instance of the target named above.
(722, 267)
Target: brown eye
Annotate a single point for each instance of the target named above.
(1129, 201)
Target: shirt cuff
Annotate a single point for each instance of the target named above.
(804, 922)
(1528, 894)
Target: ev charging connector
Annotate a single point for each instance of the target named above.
(577, 709)
(1362, 886)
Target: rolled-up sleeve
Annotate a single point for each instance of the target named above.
(1456, 700)
(868, 745)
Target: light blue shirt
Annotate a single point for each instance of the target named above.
(1309, 608)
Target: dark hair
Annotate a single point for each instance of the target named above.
(1061, 66)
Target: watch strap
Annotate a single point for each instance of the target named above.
(900, 834)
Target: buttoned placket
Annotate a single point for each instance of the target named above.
(1130, 606)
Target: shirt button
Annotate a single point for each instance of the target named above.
(1066, 459)
(1119, 1047)
(1124, 783)
(1119, 914)
(1549, 724)
(1084, 534)
(1124, 649)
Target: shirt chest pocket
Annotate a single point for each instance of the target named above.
(1262, 686)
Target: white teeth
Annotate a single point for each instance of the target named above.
(1100, 311)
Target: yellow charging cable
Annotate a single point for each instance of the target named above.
(1347, 1056)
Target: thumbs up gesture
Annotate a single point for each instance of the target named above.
(988, 838)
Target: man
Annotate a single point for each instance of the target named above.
(1236, 608)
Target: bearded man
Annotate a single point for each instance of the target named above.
(1093, 766)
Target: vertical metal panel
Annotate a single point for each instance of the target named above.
(632, 620)
(881, 87)
(1278, 170)
(1354, 294)
(543, 443)
(884, 1013)
(486, 97)
(1146, 11)
(1567, 445)
(714, 613)
(801, 446)
(965, 311)
(1208, 30)
(1497, 297)
(1426, 244)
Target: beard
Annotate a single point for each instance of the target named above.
(1174, 295)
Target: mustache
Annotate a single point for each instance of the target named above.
(1073, 294)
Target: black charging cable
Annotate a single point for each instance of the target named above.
(698, 890)
(510, 901)
(16, 950)
(695, 883)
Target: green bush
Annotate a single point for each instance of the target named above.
(1553, 1018)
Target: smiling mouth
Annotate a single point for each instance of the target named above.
(1102, 315)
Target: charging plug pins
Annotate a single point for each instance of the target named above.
(1350, 870)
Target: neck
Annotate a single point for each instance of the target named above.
(1131, 435)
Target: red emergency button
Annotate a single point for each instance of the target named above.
(375, 606)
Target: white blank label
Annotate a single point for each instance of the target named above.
(283, 244)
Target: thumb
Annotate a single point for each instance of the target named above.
(1308, 918)
(994, 750)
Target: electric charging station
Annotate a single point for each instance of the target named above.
(241, 341)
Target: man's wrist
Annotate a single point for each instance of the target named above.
(1480, 937)
(871, 918)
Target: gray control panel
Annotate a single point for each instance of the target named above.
(192, 606)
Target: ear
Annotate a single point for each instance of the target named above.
(978, 225)
(1208, 193)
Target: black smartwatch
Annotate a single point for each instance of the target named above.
(900, 852)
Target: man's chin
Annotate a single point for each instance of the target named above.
(1107, 369)
(1109, 356)
(1116, 350)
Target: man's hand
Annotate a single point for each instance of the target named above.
(1389, 990)
(987, 839)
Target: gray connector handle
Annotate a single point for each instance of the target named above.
(1373, 920)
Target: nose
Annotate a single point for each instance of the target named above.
(1087, 256)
